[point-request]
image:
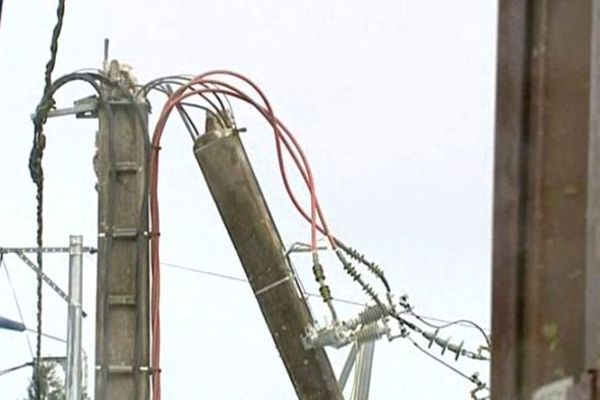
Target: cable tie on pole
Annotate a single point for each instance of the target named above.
(272, 285)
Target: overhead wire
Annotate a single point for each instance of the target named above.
(309, 294)
(181, 80)
(16, 368)
(243, 280)
(156, 140)
(473, 378)
(266, 112)
(17, 303)
(448, 324)
(303, 166)
(284, 139)
(355, 303)
(187, 120)
(47, 335)
(155, 231)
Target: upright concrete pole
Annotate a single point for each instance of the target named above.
(122, 316)
(546, 261)
(74, 370)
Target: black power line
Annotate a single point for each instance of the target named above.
(17, 303)
(37, 175)
(13, 369)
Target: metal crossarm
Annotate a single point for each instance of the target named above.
(37, 270)
(22, 250)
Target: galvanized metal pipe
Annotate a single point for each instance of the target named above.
(73, 375)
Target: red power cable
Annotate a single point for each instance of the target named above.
(282, 135)
(268, 114)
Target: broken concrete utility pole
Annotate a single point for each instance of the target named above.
(236, 192)
(122, 315)
(546, 261)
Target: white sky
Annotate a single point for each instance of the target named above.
(393, 102)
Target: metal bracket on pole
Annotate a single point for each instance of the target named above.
(83, 108)
(8, 250)
(20, 253)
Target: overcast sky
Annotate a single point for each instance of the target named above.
(392, 100)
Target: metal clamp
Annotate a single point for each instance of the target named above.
(124, 369)
(7, 250)
(272, 285)
(83, 108)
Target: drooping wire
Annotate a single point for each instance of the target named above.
(297, 155)
(182, 80)
(185, 117)
(17, 303)
(461, 322)
(282, 135)
(37, 175)
(448, 324)
(304, 169)
(233, 278)
(161, 84)
(231, 91)
(473, 378)
(243, 280)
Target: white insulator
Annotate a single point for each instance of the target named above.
(369, 333)
(372, 314)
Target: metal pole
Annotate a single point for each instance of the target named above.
(73, 375)
(362, 372)
(367, 368)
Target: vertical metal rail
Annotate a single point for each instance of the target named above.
(122, 299)
(546, 231)
(74, 366)
(348, 365)
(362, 371)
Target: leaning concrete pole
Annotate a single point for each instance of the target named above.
(244, 211)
